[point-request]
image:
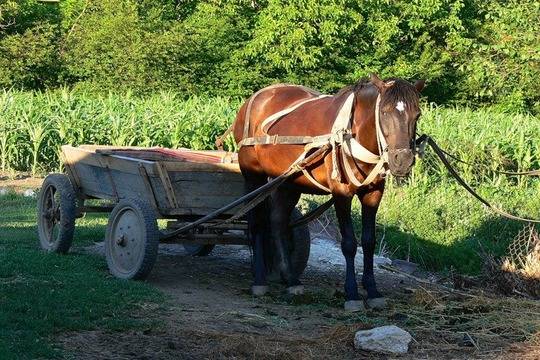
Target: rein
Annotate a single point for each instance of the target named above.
(340, 138)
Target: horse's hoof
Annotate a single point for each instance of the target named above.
(295, 290)
(354, 305)
(376, 303)
(259, 290)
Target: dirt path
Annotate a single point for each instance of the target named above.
(209, 313)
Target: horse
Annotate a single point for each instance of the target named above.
(390, 106)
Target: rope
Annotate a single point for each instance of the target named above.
(503, 172)
(440, 153)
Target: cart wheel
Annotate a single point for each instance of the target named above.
(132, 239)
(57, 209)
(198, 250)
(299, 245)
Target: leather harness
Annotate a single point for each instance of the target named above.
(340, 138)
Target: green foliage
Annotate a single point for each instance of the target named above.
(471, 51)
(33, 125)
(430, 219)
(504, 59)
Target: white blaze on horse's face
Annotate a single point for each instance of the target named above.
(400, 106)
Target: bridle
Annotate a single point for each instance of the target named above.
(340, 141)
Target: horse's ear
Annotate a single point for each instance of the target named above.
(419, 85)
(381, 85)
(375, 80)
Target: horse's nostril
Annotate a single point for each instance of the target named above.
(397, 160)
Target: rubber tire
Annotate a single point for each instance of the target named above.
(68, 213)
(198, 250)
(147, 218)
(299, 248)
(300, 245)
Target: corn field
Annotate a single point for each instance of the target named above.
(33, 126)
(428, 219)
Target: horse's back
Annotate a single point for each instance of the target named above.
(267, 102)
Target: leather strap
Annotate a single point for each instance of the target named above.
(340, 138)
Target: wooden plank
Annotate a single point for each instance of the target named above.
(185, 211)
(121, 163)
(72, 174)
(166, 182)
(209, 239)
(223, 188)
(93, 180)
(204, 201)
(178, 166)
(201, 176)
(146, 180)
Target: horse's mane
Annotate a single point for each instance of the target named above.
(356, 87)
(401, 90)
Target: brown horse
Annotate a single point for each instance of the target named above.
(397, 102)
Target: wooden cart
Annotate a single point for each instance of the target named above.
(139, 186)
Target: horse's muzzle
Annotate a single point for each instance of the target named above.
(400, 161)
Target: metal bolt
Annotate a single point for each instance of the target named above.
(121, 241)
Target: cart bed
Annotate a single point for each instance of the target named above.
(176, 182)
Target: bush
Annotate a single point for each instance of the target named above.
(471, 51)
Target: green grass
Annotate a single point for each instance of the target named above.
(430, 219)
(43, 296)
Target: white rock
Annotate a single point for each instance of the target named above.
(4, 191)
(381, 260)
(29, 193)
(389, 339)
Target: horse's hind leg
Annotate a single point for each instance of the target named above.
(349, 245)
(283, 201)
(257, 233)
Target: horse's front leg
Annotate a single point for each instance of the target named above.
(342, 204)
(283, 201)
(370, 204)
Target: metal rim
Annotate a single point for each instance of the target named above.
(50, 217)
(126, 241)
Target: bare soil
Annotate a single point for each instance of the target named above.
(210, 314)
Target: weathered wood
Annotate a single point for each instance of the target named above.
(149, 188)
(175, 188)
(96, 209)
(209, 239)
(228, 226)
(114, 162)
(176, 166)
(166, 182)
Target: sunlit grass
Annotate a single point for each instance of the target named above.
(45, 295)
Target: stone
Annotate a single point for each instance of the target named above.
(387, 339)
(381, 260)
(354, 305)
(4, 191)
(29, 193)
(405, 266)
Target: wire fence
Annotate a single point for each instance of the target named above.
(429, 219)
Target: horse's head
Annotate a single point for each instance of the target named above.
(398, 113)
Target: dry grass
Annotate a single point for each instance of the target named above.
(519, 271)
(483, 323)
